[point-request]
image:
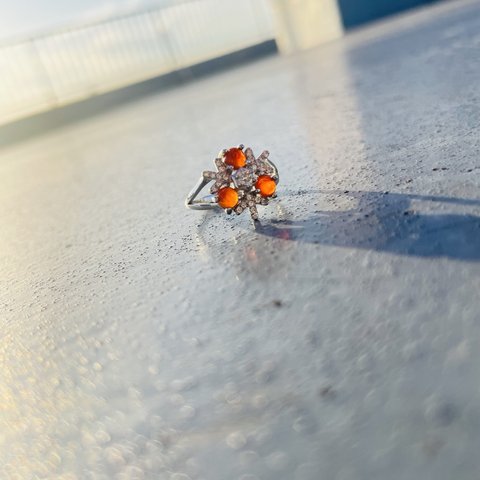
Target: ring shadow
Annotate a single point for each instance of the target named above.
(387, 222)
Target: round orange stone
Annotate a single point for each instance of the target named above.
(266, 185)
(235, 158)
(227, 197)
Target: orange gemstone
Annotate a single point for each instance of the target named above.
(266, 185)
(227, 197)
(235, 158)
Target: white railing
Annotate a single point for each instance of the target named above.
(70, 64)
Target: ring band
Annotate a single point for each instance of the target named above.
(241, 182)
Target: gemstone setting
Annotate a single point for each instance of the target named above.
(242, 181)
(227, 197)
(266, 185)
(235, 158)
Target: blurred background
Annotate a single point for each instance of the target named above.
(54, 53)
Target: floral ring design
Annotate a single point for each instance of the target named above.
(240, 183)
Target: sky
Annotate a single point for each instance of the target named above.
(22, 17)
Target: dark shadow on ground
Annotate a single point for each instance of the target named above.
(43, 122)
(390, 223)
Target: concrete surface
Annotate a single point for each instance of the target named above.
(339, 341)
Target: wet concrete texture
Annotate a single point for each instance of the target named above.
(338, 340)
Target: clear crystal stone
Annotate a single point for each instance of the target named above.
(243, 177)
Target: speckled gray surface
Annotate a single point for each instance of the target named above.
(338, 341)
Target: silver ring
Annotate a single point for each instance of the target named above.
(241, 182)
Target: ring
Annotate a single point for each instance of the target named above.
(241, 182)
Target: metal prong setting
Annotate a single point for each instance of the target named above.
(243, 181)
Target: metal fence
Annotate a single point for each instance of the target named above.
(69, 64)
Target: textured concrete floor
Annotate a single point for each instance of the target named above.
(338, 341)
